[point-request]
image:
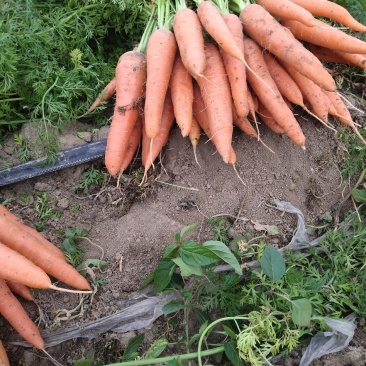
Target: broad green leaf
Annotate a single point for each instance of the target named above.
(172, 307)
(132, 347)
(156, 348)
(185, 231)
(301, 312)
(187, 270)
(175, 362)
(229, 332)
(359, 195)
(223, 252)
(195, 254)
(272, 263)
(232, 353)
(163, 273)
(90, 262)
(171, 250)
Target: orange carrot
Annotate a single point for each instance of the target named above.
(4, 361)
(236, 70)
(160, 56)
(215, 25)
(130, 79)
(48, 245)
(200, 112)
(152, 148)
(104, 95)
(326, 36)
(30, 247)
(215, 90)
(268, 119)
(194, 136)
(21, 290)
(13, 312)
(271, 98)
(262, 27)
(285, 9)
(285, 83)
(181, 88)
(189, 36)
(244, 125)
(331, 10)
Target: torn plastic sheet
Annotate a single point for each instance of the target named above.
(338, 338)
(140, 311)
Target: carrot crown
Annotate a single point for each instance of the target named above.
(148, 30)
(238, 5)
(165, 14)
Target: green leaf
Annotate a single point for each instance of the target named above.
(202, 316)
(175, 362)
(171, 250)
(163, 274)
(229, 332)
(90, 262)
(187, 270)
(172, 307)
(195, 254)
(185, 231)
(132, 347)
(223, 252)
(157, 348)
(301, 312)
(272, 263)
(232, 353)
(359, 195)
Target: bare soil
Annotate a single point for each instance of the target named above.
(134, 224)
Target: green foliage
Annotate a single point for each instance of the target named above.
(73, 252)
(357, 8)
(44, 211)
(90, 177)
(22, 148)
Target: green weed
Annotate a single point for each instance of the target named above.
(90, 177)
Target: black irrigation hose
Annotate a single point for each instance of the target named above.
(64, 159)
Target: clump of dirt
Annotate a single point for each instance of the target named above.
(133, 224)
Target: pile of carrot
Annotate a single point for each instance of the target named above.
(227, 64)
(26, 261)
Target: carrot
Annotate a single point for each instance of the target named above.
(130, 78)
(215, 90)
(271, 98)
(326, 36)
(285, 9)
(152, 148)
(30, 247)
(4, 361)
(311, 92)
(48, 245)
(181, 88)
(194, 136)
(200, 112)
(244, 125)
(213, 22)
(268, 119)
(160, 55)
(14, 313)
(262, 27)
(104, 95)
(331, 10)
(236, 70)
(189, 36)
(21, 290)
(285, 83)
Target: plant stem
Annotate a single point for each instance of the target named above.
(153, 361)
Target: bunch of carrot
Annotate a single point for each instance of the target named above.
(26, 260)
(226, 64)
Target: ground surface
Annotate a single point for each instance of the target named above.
(134, 224)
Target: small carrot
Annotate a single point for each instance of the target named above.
(189, 36)
(285, 9)
(271, 98)
(4, 361)
(21, 290)
(160, 56)
(244, 125)
(181, 88)
(326, 36)
(268, 119)
(27, 245)
(215, 90)
(194, 136)
(14, 313)
(236, 70)
(48, 245)
(215, 25)
(262, 27)
(331, 10)
(152, 148)
(130, 79)
(104, 95)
